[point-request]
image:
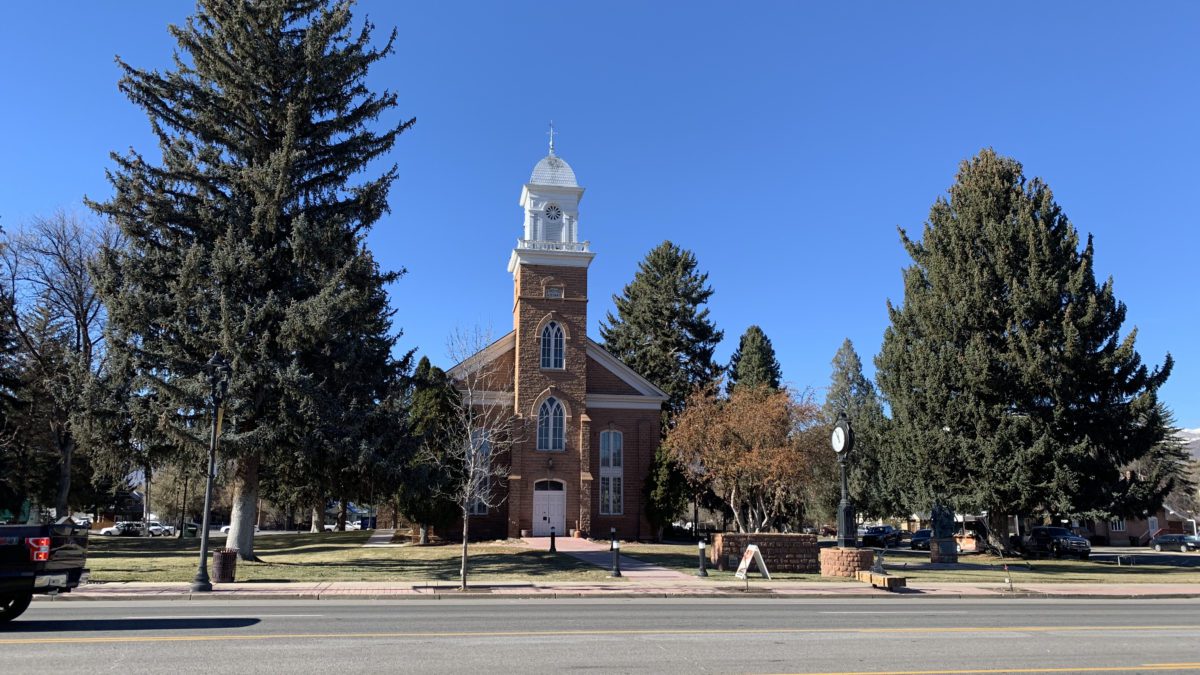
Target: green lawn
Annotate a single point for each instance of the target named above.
(331, 556)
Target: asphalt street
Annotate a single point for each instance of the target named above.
(606, 635)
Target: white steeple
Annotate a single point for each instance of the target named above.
(551, 203)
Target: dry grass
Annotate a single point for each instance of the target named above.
(332, 556)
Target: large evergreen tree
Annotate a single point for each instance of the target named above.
(753, 363)
(662, 331)
(852, 393)
(248, 237)
(422, 496)
(1010, 386)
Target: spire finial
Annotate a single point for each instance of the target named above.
(551, 135)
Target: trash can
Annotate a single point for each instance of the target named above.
(224, 565)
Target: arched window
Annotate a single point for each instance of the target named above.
(552, 346)
(612, 473)
(550, 425)
(481, 472)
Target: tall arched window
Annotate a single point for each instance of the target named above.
(612, 473)
(552, 346)
(550, 425)
(481, 473)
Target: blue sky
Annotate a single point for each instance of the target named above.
(782, 142)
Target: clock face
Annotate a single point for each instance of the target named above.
(553, 212)
(839, 439)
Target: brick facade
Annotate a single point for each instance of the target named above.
(781, 552)
(577, 465)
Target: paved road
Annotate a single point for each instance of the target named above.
(628, 635)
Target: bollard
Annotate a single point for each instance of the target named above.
(616, 570)
(553, 549)
(703, 572)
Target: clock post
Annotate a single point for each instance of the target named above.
(843, 442)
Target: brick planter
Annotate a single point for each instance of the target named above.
(845, 562)
(781, 552)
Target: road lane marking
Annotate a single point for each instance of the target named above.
(985, 671)
(886, 612)
(592, 633)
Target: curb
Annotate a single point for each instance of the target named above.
(575, 595)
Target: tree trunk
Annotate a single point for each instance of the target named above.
(424, 530)
(245, 501)
(997, 532)
(462, 572)
(341, 519)
(318, 517)
(146, 502)
(66, 451)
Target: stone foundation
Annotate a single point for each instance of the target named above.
(845, 562)
(943, 551)
(781, 552)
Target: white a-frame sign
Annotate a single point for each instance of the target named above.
(752, 553)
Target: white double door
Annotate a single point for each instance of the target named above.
(549, 508)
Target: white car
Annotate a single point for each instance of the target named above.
(157, 529)
(225, 529)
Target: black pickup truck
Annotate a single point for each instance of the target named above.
(37, 559)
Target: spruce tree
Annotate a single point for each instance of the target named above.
(663, 332)
(421, 497)
(1010, 385)
(753, 363)
(852, 393)
(248, 237)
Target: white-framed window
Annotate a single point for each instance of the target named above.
(552, 346)
(482, 474)
(550, 432)
(612, 473)
(1116, 525)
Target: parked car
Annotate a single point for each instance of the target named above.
(123, 529)
(920, 540)
(880, 536)
(39, 559)
(1058, 542)
(225, 529)
(1175, 542)
(157, 529)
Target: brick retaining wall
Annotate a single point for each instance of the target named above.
(781, 552)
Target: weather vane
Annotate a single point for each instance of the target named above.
(551, 135)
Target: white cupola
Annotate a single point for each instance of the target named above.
(550, 201)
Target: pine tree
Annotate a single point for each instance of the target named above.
(663, 332)
(1010, 386)
(422, 495)
(753, 363)
(247, 239)
(852, 393)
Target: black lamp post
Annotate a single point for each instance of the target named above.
(218, 381)
(843, 442)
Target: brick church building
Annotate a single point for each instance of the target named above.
(587, 426)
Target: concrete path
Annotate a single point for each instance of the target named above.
(599, 554)
(381, 539)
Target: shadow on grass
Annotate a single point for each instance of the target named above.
(528, 564)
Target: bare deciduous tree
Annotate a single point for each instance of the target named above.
(479, 432)
(58, 319)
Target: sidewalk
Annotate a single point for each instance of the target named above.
(626, 587)
(600, 555)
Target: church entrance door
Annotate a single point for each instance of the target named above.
(549, 508)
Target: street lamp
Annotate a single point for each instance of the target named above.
(218, 382)
(843, 442)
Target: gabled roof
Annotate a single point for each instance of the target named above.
(593, 351)
(625, 373)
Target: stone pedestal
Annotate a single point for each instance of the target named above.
(943, 550)
(845, 562)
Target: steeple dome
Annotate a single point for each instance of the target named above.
(552, 170)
